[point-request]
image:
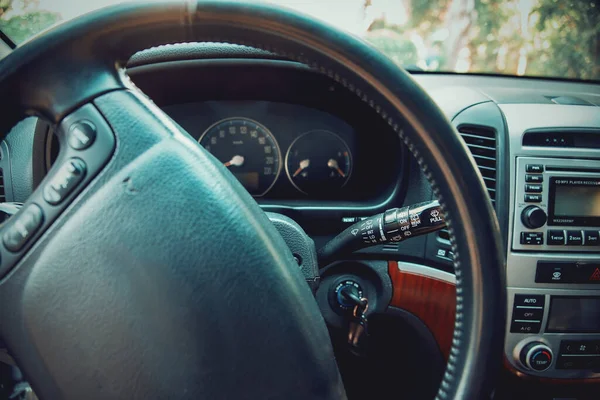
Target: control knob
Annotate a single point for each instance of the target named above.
(536, 356)
(533, 217)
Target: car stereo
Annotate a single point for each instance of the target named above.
(557, 205)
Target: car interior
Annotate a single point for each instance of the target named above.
(228, 199)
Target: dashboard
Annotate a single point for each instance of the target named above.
(305, 147)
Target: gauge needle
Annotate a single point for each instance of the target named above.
(303, 165)
(333, 164)
(236, 161)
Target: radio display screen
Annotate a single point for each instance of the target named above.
(582, 201)
(574, 201)
(574, 314)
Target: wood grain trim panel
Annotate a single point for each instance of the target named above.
(431, 300)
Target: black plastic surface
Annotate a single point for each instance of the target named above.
(568, 138)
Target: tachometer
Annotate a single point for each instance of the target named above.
(318, 162)
(248, 149)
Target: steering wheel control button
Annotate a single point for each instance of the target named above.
(528, 311)
(556, 272)
(536, 356)
(556, 238)
(534, 168)
(532, 238)
(534, 217)
(22, 227)
(574, 238)
(64, 181)
(533, 198)
(81, 135)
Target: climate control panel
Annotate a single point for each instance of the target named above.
(554, 335)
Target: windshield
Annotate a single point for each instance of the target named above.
(547, 38)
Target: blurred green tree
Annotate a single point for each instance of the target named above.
(558, 38)
(567, 39)
(20, 27)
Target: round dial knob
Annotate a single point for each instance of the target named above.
(536, 356)
(533, 217)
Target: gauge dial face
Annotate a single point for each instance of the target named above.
(247, 149)
(318, 162)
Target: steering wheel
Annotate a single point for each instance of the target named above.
(140, 268)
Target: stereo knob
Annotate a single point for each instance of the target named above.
(536, 356)
(533, 217)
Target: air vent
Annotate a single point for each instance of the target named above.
(482, 143)
(2, 192)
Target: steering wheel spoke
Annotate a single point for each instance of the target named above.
(87, 143)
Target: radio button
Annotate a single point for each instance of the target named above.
(556, 238)
(574, 238)
(532, 238)
(556, 272)
(533, 188)
(535, 168)
(533, 198)
(592, 238)
(534, 178)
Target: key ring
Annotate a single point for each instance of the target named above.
(355, 312)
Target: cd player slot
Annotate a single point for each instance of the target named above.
(551, 168)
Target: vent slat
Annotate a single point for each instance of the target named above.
(481, 141)
(2, 192)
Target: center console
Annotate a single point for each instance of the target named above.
(553, 249)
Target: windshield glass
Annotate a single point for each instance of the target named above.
(548, 38)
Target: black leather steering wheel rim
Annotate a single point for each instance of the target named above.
(79, 63)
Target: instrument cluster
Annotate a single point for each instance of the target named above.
(285, 151)
(316, 162)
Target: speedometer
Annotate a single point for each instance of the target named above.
(248, 149)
